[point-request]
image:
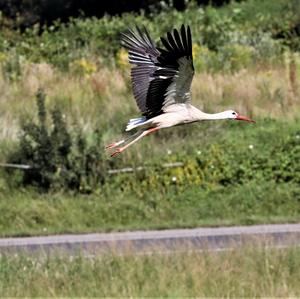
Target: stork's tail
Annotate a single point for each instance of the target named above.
(135, 122)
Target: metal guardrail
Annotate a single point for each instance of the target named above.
(110, 171)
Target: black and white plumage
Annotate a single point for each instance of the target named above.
(161, 81)
(160, 77)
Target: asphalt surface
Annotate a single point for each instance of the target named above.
(162, 241)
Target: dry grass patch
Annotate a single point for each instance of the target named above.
(105, 97)
(255, 93)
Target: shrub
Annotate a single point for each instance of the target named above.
(12, 65)
(272, 157)
(58, 158)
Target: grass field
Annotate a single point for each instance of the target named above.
(104, 98)
(247, 272)
(233, 173)
(29, 213)
(252, 185)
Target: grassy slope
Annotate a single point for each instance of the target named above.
(32, 214)
(151, 201)
(249, 272)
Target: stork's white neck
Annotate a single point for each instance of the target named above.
(212, 116)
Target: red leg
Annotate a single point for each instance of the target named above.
(152, 130)
(117, 152)
(144, 133)
(112, 145)
(115, 144)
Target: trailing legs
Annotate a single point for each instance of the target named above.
(121, 149)
(115, 144)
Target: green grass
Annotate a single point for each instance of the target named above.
(29, 213)
(252, 271)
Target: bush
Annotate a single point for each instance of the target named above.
(58, 158)
(227, 161)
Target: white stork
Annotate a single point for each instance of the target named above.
(161, 82)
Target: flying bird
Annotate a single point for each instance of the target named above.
(161, 82)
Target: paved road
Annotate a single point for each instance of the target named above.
(143, 242)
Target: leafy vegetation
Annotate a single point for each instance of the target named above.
(259, 30)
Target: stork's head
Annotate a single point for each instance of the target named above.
(234, 115)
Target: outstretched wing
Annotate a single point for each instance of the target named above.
(143, 54)
(160, 77)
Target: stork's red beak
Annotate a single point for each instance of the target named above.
(245, 118)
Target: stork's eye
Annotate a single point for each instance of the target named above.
(233, 113)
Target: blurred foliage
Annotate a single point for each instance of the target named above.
(84, 67)
(234, 35)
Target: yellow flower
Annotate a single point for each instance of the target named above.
(3, 57)
(196, 49)
(84, 66)
(122, 59)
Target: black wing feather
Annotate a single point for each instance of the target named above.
(143, 54)
(189, 44)
(155, 69)
(183, 38)
(178, 41)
